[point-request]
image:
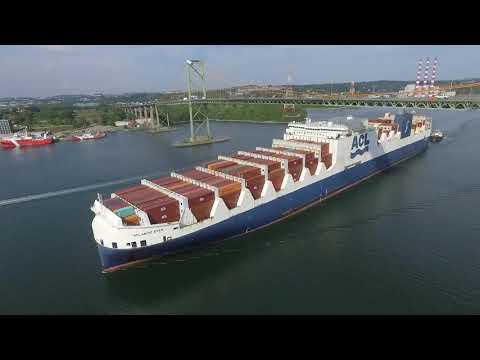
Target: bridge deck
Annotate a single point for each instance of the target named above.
(455, 104)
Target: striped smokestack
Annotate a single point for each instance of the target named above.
(419, 75)
(433, 77)
(426, 74)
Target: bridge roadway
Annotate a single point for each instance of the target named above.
(456, 103)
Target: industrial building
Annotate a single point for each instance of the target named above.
(6, 127)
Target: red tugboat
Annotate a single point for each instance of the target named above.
(86, 136)
(22, 140)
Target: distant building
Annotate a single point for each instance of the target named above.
(141, 121)
(410, 87)
(122, 123)
(6, 127)
(446, 94)
(85, 104)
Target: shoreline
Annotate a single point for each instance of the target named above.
(59, 135)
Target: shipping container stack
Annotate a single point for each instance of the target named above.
(295, 163)
(254, 180)
(326, 156)
(228, 190)
(218, 164)
(159, 207)
(275, 172)
(122, 209)
(311, 162)
(200, 200)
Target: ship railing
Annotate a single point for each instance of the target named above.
(283, 162)
(196, 182)
(221, 174)
(263, 168)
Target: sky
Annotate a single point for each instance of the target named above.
(47, 70)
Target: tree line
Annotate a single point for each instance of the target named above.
(46, 115)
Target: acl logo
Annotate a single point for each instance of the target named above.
(359, 145)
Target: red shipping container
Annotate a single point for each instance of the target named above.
(202, 212)
(231, 199)
(186, 189)
(325, 148)
(309, 155)
(255, 185)
(216, 165)
(233, 187)
(163, 211)
(292, 160)
(328, 161)
(144, 195)
(130, 189)
(115, 203)
(241, 157)
(196, 197)
(195, 174)
(276, 177)
(214, 181)
(247, 172)
(177, 185)
(272, 165)
(295, 171)
(230, 169)
(163, 181)
(312, 166)
(200, 203)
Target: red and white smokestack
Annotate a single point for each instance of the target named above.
(434, 75)
(419, 75)
(426, 74)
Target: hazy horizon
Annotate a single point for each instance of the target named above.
(52, 70)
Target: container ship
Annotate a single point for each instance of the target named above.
(248, 190)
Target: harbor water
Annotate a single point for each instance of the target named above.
(403, 242)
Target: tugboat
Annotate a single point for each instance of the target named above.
(436, 136)
(87, 136)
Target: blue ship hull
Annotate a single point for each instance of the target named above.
(265, 214)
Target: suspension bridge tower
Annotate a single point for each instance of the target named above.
(289, 108)
(197, 106)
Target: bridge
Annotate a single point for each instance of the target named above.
(456, 103)
(196, 99)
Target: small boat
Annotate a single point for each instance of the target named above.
(87, 136)
(436, 136)
(22, 140)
